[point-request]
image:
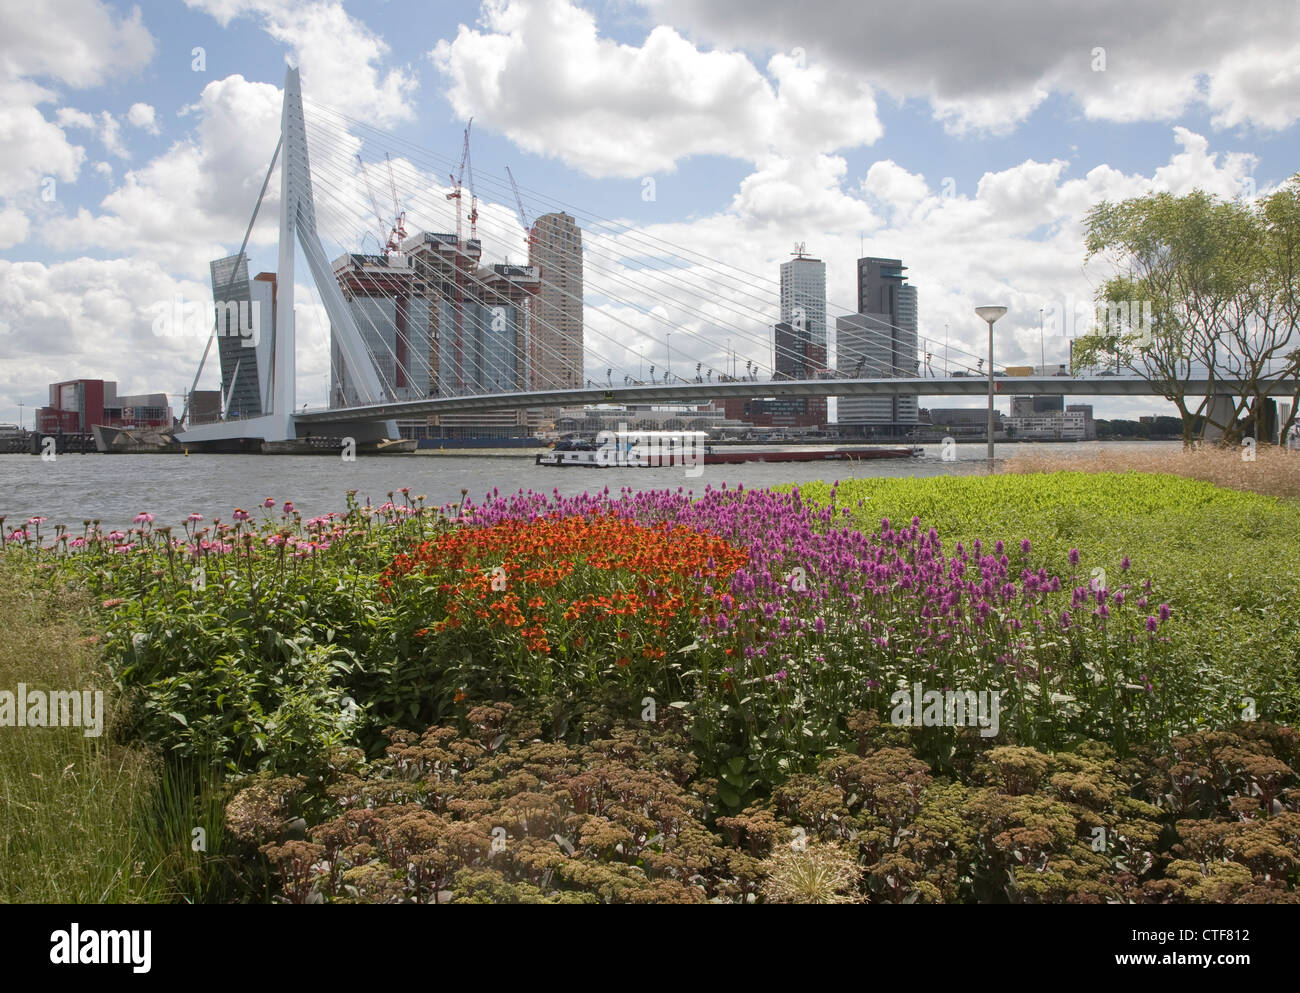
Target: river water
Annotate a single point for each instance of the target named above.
(114, 488)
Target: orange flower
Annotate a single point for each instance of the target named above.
(460, 697)
(422, 632)
(623, 663)
(652, 579)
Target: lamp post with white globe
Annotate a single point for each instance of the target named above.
(990, 314)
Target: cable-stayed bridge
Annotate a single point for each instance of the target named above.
(522, 336)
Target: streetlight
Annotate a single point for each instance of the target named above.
(990, 314)
(668, 370)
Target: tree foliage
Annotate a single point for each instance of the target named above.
(1201, 288)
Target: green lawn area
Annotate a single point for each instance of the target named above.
(1227, 561)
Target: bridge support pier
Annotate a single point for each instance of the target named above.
(1220, 409)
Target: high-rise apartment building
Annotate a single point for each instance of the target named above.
(880, 340)
(555, 348)
(803, 307)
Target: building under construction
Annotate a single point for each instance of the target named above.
(439, 323)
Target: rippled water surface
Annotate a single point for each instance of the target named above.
(114, 488)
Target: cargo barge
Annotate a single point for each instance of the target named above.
(590, 456)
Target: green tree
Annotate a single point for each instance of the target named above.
(1201, 288)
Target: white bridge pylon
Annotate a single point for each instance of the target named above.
(298, 226)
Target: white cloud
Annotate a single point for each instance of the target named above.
(339, 56)
(892, 186)
(69, 117)
(78, 42)
(185, 204)
(1196, 167)
(105, 126)
(986, 66)
(542, 74)
(34, 147)
(1259, 85)
(91, 317)
(14, 227)
(143, 116)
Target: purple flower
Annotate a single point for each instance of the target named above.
(1124, 564)
(1024, 546)
(1164, 611)
(1152, 624)
(1074, 556)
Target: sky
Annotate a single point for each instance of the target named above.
(968, 140)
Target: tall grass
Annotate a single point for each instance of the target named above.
(1272, 470)
(88, 819)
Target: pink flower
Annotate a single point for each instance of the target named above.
(143, 518)
(268, 502)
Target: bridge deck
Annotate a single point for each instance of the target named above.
(971, 386)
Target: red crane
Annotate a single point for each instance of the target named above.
(398, 233)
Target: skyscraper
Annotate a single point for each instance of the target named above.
(880, 340)
(555, 349)
(241, 384)
(803, 307)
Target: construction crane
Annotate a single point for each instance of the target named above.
(374, 205)
(398, 234)
(523, 215)
(458, 181)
